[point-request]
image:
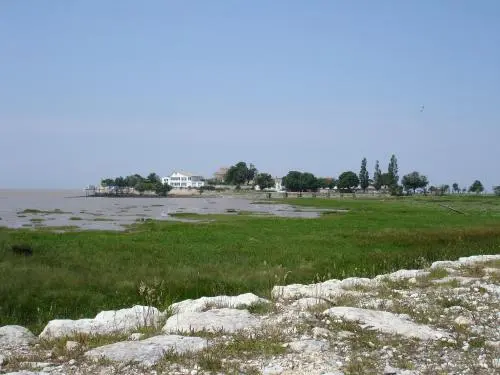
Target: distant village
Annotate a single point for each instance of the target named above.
(246, 177)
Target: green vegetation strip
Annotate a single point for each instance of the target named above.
(77, 274)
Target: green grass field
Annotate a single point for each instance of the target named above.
(78, 274)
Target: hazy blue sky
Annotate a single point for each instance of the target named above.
(95, 88)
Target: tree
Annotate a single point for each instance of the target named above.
(133, 180)
(264, 180)
(455, 188)
(385, 180)
(107, 182)
(298, 181)
(141, 187)
(326, 182)
(348, 181)
(309, 181)
(153, 178)
(444, 189)
(496, 190)
(237, 174)
(414, 181)
(392, 171)
(476, 187)
(251, 173)
(161, 189)
(120, 183)
(377, 177)
(364, 177)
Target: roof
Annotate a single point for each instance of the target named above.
(187, 174)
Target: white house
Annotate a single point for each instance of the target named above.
(183, 180)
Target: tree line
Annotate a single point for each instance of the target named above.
(349, 181)
(141, 184)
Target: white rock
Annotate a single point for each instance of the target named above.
(320, 332)
(403, 275)
(72, 346)
(385, 322)
(106, 322)
(445, 264)
(352, 282)
(227, 320)
(306, 303)
(320, 290)
(459, 279)
(273, 370)
(15, 336)
(478, 259)
(463, 321)
(135, 336)
(204, 303)
(309, 346)
(495, 363)
(148, 352)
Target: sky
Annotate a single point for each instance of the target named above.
(92, 89)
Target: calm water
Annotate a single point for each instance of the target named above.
(115, 213)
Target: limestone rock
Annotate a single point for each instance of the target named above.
(136, 336)
(148, 352)
(385, 322)
(204, 303)
(463, 321)
(273, 370)
(318, 290)
(403, 275)
(309, 346)
(478, 259)
(15, 336)
(307, 303)
(352, 282)
(106, 322)
(71, 346)
(226, 320)
(320, 332)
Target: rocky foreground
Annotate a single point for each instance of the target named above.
(441, 320)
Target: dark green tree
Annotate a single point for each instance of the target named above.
(364, 177)
(133, 180)
(237, 174)
(292, 181)
(264, 180)
(251, 173)
(309, 181)
(392, 171)
(153, 178)
(455, 188)
(385, 180)
(107, 182)
(326, 182)
(348, 181)
(161, 189)
(476, 187)
(141, 187)
(377, 177)
(496, 190)
(414, 181)
(445, 189)
(298, 181)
